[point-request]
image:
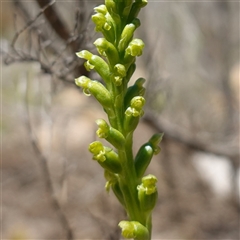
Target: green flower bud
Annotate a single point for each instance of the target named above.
(101, 9)
(126, 8)
(149, 184)
(145, 154)
(134, 229)
(130, 123)
(100, 21)
(136, 90)
(105, 156)
(84, 54)
(103, 128)
(136, 106)
(111, 6)
(108, 50)
(133, 50)
(104, 22)
(127, 34)
(88, 66)
(96, 89)
(98, 151)
(147, 193)
(97, 63)
(112, 162)
(119, 74)
(142, 159)
(111, 134)
(135, 9)
(135, 47)
(133, 113)
(112, 10)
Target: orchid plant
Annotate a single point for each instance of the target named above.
(125, 173)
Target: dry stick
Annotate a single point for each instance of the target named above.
(70, 41)
(56, 22)
(30, 23)
(61, 30)
(44, 166)
(176, 135)
(18, 4)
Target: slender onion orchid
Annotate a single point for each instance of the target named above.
(123, 105)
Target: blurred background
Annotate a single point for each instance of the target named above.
(51, 189)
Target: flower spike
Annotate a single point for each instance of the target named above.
(116, 63)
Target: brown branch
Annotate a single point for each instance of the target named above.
(18, 33)
(56, 23)
(26, 16)
(173, 133)
(45, 170)
(61, 30)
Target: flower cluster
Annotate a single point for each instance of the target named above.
(123, 104)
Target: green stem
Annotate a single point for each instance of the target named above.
(128, 186)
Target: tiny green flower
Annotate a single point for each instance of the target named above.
(105, 156)
(96, 89)
(101, 22)
(135, 47)
(149, 184)
(108, 50)
(88, 66)
(98, 151)
(83, 82)
(127, 34)
(135, 90)
(133, 113)
(84, 54)
(97, 63)
(103, 128)
(111, 134)
(136, 106)
(138, 103)
(101, 9)
(147, 193)
(134, 229)
(119, 74)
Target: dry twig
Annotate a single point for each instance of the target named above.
(43, 162)
(175, 134)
